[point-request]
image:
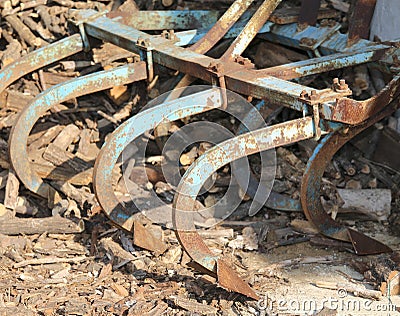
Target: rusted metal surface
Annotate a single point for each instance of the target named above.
(251, 29)
(212, 160)
(40, 58)
(228, 279)
(360, 20)
(323, 64)
(126, 133)
(355, 112)
(222, 26)
(239, 78)
(312, 181)
(323, 110)
(168, 20)
(308, 12)
(45, 101)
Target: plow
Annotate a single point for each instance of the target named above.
(182, 41)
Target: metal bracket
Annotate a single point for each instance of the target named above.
(81, 26)
(316, 119)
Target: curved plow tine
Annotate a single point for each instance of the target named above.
(311, 184)
(46, 100)
(129, 131)
(40, 58)
(194, 178)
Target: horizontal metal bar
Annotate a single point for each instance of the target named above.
(329, 42)
(281, 91)
(170, 20)
(238, 78)
(192, 63)
(323, 64)
(52, 96)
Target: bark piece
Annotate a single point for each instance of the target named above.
(145, 238)
(194, 307)
(67, 137)
(12, 190)
(11, 54)
(59, 157)
(17, 100)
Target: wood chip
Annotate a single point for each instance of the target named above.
(12, 191)
(193, 306)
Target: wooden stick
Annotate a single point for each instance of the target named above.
(50, 260)
(356, 290)
(23, 31)
(37, 27)
(30, 226)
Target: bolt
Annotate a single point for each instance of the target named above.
(303, 94)
(339, 85)
(314, 95)
(217, 67)
(343, 85)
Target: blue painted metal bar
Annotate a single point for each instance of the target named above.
(324, 64)
(327, 39)
(40, 58)
(131, 129)
(170, 20)
(52, 96)
(242, 80)
(192, 63)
